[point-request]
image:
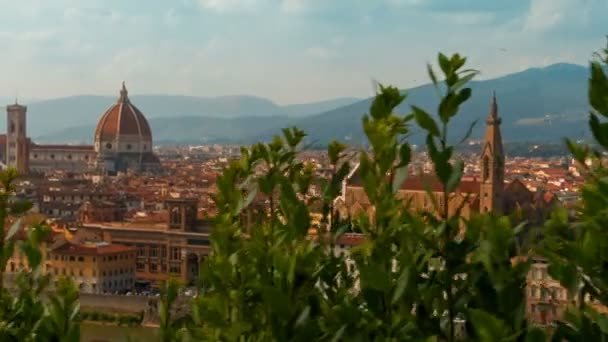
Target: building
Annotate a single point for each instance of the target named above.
(123, 141)
(17, 144)
(174, 248)
(95, 267)
(489, 193)
(123, 138)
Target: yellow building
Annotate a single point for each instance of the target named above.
(95, 267)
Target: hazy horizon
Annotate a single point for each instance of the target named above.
(288, 51)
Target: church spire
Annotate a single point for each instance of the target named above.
(493, 118)
(492, 163)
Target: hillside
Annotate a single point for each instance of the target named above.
(538, 104)
(535, 104)
(57, 115)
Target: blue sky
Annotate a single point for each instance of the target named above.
(290, 51)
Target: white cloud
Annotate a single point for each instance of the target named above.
(36, 36)
(226, 5)
(467, 18)
(292, 5)
(320, 52)
(171, 18)
(546, 15)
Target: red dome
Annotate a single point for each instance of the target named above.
(122, 118)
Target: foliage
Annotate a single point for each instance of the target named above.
(29, 312)
(577, 253)
(433, 276)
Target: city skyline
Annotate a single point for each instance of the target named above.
(289, 51)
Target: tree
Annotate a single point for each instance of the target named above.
(31, 312)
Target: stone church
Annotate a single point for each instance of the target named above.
(489, 193)
(122, 141)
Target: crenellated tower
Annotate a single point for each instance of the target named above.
(492, 165)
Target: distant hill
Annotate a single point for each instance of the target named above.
(55, 115)
(306, 109)
(188, 129)
(538, 104)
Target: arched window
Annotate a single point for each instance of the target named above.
(12, 127)
(486, 168)
(109, 146)
(175, 216)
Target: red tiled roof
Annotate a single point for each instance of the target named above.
(73, 249)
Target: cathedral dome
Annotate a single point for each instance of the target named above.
(123, 128)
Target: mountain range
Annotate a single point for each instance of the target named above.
(537, 104)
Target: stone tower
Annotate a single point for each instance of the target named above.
(17, 155)
(492, 164)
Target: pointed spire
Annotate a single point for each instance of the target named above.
(123, 93)
(493, 116)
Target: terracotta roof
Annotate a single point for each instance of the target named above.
(93, 249)
(123, 118)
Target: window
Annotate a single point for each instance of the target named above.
(154, 252)
(175, 253)
(80, 273)
(69, 157)
(175, 269)
(175, 216)
(52, 156)
(13, 127)
(81, 259)
(153, 268)
(72, 258)
(109, 146)
(486, 168)
(35, 156)
(94, 259)
(129, 146)
(140, 266)
(86, 157)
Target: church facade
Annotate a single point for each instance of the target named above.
(122, 141)
(488, 193)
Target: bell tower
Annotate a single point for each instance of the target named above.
(17, 155)
(492, 165)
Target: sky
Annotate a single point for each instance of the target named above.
(290, 51)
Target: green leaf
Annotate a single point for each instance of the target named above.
(599, 130)
(488, 327)
(431, 73)
(14, 229)
(455, 176)
(425, 121)
(399, 177)
(402, 283)
(444, 64)
(339, 334)
(463, 81)
(469, 131)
